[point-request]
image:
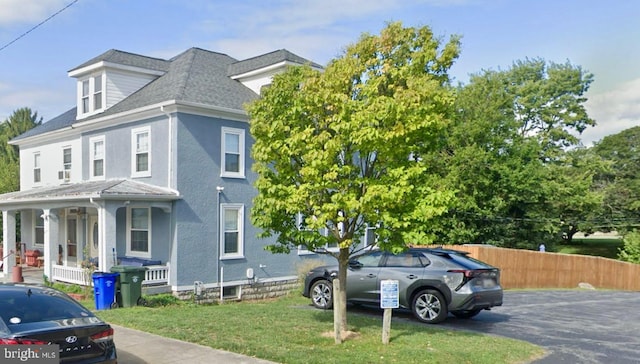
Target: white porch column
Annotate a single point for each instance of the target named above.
(106, 235)
(51, 241)
(8, 241)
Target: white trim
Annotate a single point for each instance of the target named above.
(92, 159)
(66, 172)
(37, 214)
(91, 92)
(241, 153)
(240, 227)
(134, 152)
(138, 114)
(104, 64)
(271, 68)
(37, 166)
(130, 252)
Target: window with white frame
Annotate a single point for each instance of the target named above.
(370, 236)
(302, 249)
(141, 148)
(38, 227)
(139, 231)
(85, 97)
(37, 177)
(97, 92)
(66, 164)
(232, 227)
(232, 153)
(91, 90)
(97, 157)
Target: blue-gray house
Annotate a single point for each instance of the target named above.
(151, 167)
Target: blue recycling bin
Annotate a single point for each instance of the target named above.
(104, 289)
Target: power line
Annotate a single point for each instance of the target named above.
(38, 25)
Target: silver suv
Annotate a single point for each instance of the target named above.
(432, 282)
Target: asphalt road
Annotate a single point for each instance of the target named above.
(574, 326)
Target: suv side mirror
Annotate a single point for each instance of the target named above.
(354, 264)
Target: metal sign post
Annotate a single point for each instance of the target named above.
(389, 299)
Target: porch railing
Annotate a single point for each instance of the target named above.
(155, 274)
(61, 273)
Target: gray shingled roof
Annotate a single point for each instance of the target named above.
(194, 76)
(265, 60)
(127, 59)
(61, 121)
(111, 189)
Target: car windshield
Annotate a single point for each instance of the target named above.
(21, 307)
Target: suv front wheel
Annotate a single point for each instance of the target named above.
(429, 306)
(322, 294)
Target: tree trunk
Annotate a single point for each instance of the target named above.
(340, 296)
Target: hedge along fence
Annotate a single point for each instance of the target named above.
(533, 269)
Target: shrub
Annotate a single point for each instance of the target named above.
(161, 300)
(630, 252)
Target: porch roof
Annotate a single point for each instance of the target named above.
(118, 189)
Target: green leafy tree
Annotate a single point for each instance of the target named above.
(621, 182)
(343, 148)
(19, 122)
(630, 252)
(505, 149)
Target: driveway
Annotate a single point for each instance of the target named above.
(576, 326)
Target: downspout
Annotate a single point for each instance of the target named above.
(218, 248)
(170, 176)
(169, 148)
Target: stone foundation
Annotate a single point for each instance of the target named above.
(244, 292)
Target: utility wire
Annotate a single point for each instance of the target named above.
(38, 25)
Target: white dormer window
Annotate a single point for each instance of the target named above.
(91, 93)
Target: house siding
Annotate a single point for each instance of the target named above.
(118, 151)
(198, 175)
(121, 84)
(50, 163)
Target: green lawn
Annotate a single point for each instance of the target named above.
(288, 330)
(607, 248)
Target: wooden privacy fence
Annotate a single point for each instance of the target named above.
(533, 269)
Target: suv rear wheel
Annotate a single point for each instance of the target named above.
(429, 306)
(322, 294)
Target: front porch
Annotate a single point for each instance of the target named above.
(156, 275)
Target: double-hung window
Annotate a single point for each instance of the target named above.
(38, 228)
(97, 93)
(37, 177)
(97, 157)
(302, 226)
(232, 153)
(139, 231)
(231, 230)
(141, 152)
(85, 97)
(66, 164)
(91, 91)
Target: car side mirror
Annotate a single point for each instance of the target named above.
(355, 264)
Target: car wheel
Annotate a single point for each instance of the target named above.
(465, 314)
(429, 306)
(322, 294)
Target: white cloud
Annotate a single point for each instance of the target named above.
(28, 11)
(614, 111)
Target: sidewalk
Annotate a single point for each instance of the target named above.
(137, 347)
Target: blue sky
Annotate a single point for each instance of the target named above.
(600, 36)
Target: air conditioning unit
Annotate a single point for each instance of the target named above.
(64, 175)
